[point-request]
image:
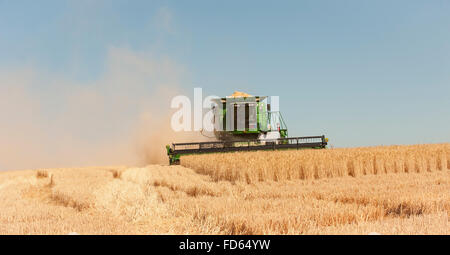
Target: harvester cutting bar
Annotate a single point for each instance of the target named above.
(246, 145)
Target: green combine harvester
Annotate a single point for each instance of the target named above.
(245, 123)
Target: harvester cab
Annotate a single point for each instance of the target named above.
(246, 118)
(242, 123)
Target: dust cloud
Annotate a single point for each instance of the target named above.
(120, 118)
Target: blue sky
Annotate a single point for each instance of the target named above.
(360, 72)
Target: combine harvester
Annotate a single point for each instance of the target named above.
(259, 128)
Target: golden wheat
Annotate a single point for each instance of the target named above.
(389, 190)
(316, 164)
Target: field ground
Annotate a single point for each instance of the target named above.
(179, 200)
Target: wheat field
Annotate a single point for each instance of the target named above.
(316, 164)
(388, 190)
